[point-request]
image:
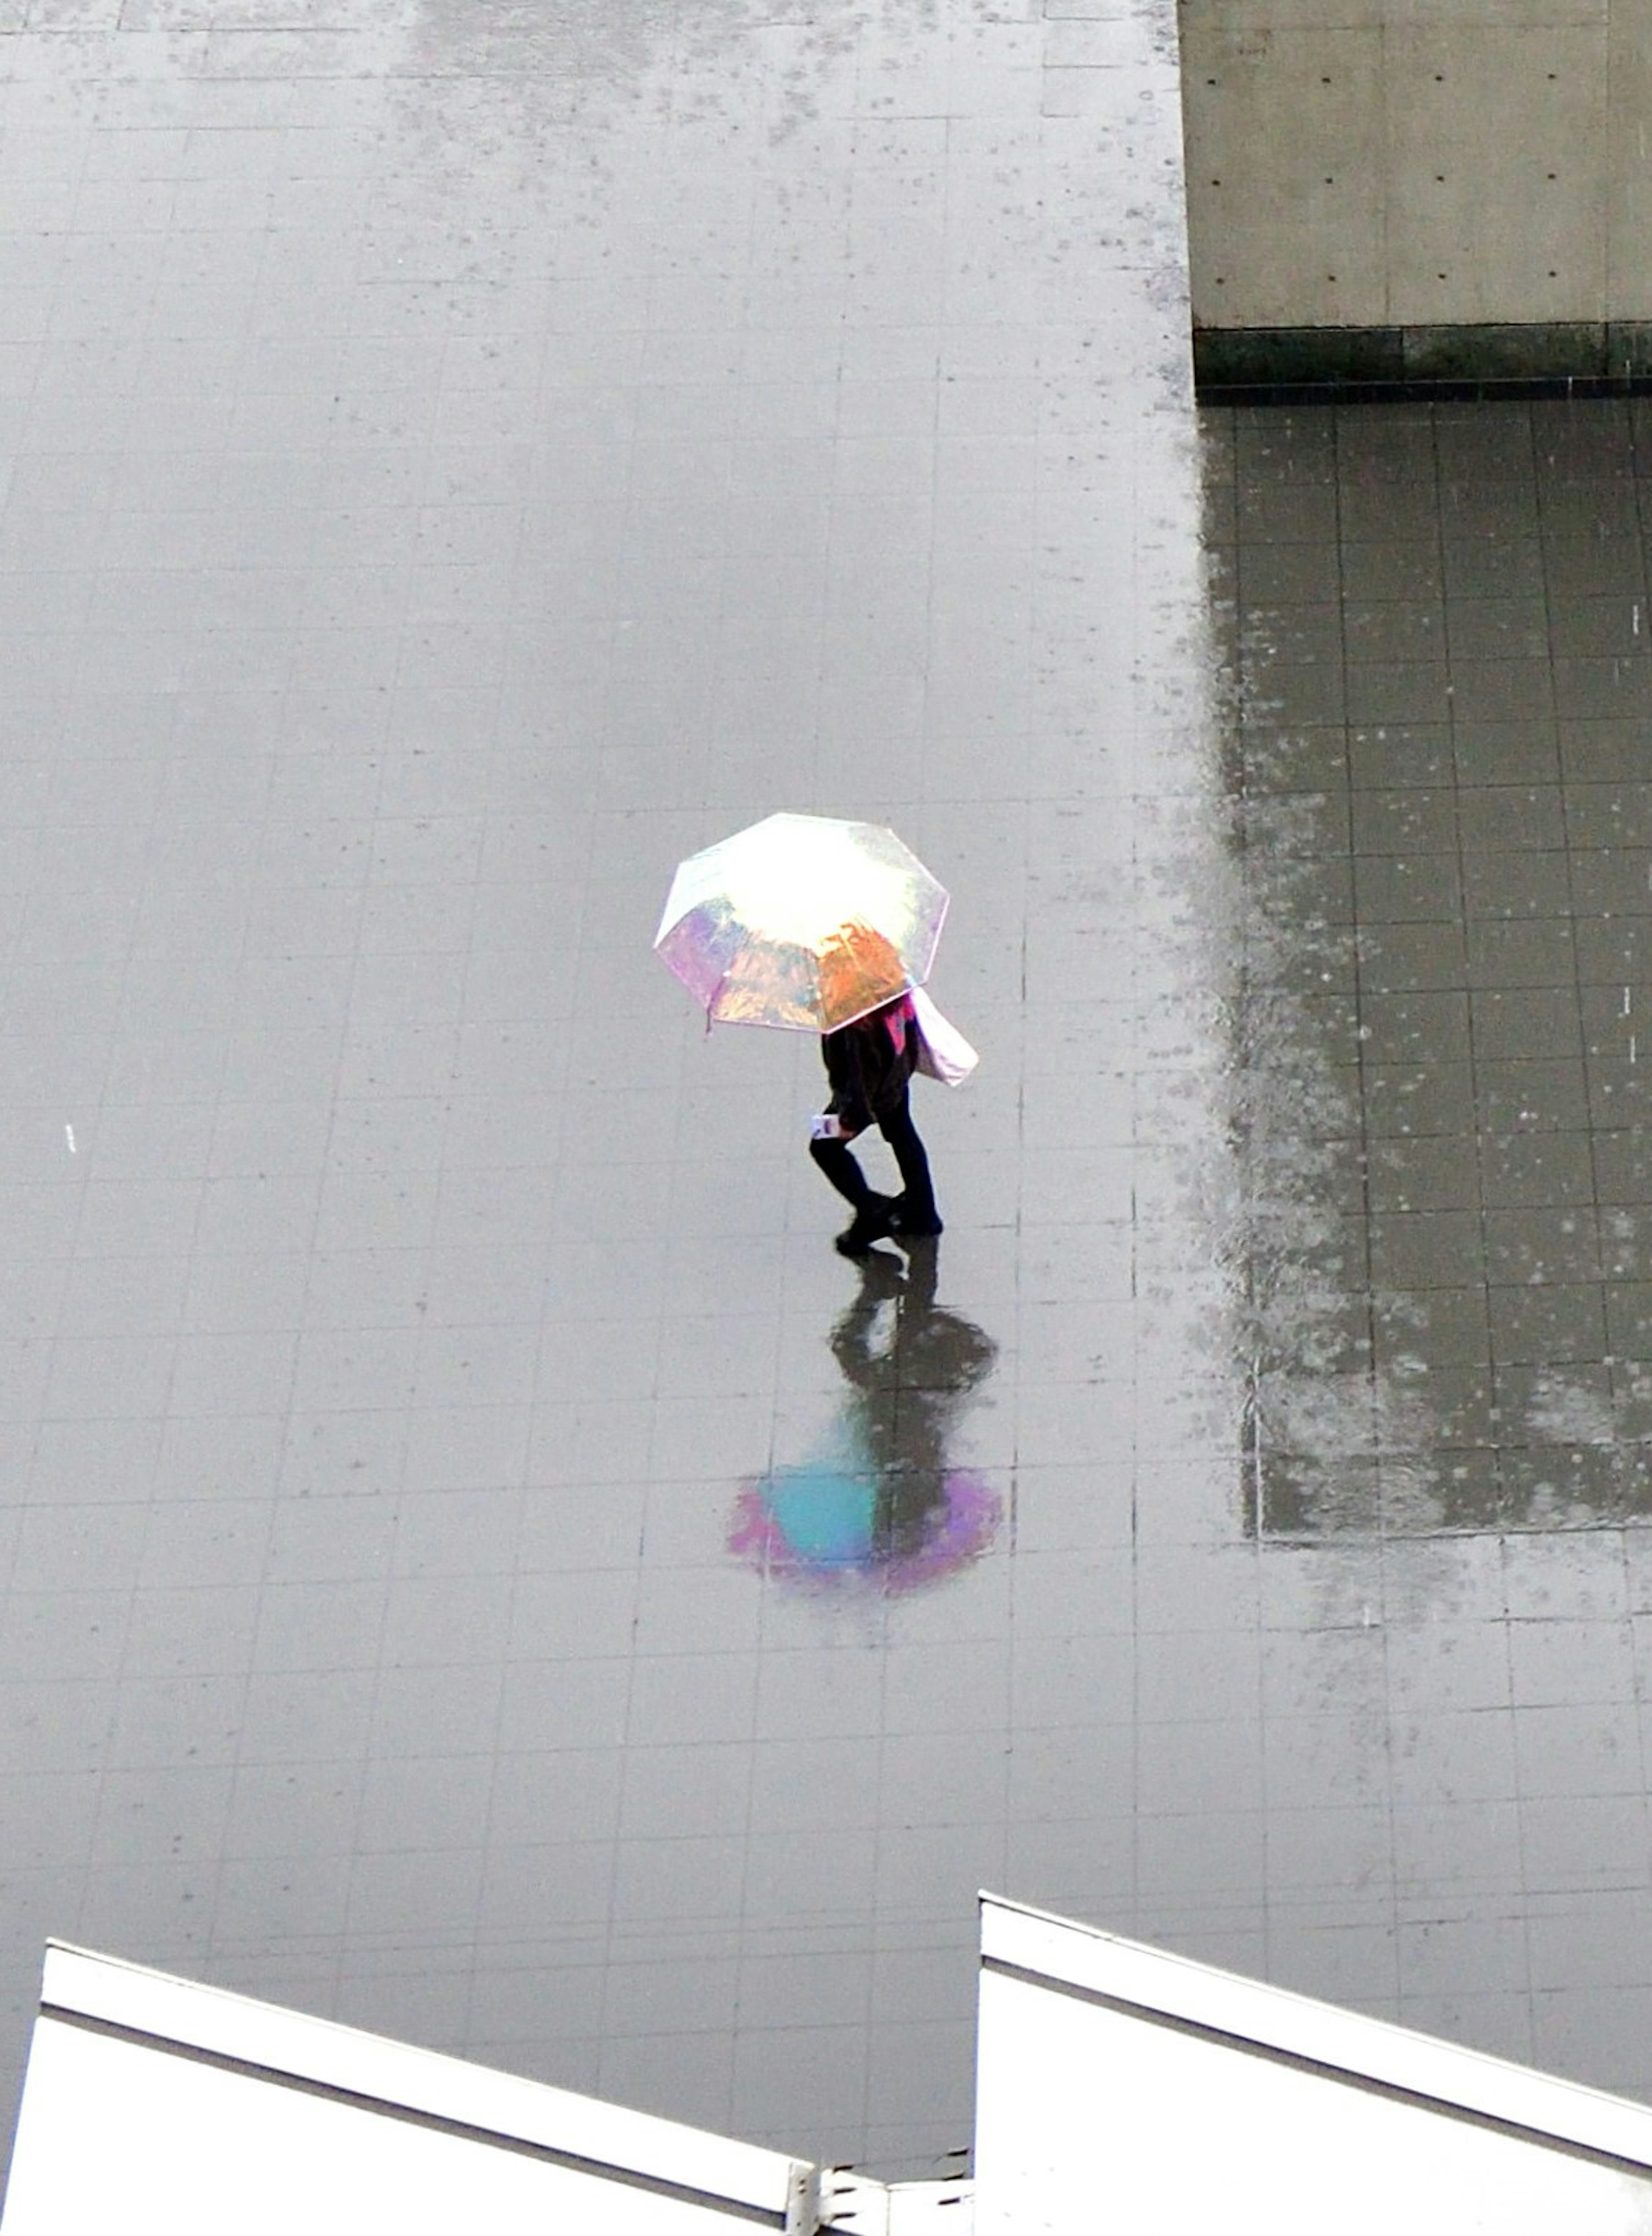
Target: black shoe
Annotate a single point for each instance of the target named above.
(869, 1226)
(907, 1227)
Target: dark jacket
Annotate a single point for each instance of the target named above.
(869, 1066)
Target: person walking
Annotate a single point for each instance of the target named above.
(869, 1066)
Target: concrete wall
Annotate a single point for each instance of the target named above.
(1406, 163)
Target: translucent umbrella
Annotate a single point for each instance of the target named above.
(802, 921)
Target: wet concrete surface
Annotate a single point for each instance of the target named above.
(479, 1564)
(1434, 644)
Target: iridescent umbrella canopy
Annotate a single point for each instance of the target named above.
(802, 921)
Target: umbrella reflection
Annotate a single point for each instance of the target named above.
(877, 1506)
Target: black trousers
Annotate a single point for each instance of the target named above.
(842, 1167)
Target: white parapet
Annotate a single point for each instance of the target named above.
(1124, 2088)
(152, 2102)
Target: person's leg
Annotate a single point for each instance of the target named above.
(842, 1167)
(871, 1222)
(915, 1212)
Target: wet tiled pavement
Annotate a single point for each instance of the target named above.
(1448, 834)
(451, 469)
(1436, 677)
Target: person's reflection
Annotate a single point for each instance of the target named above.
(904, 1394)
(879, 1501)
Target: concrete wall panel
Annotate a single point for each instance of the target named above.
(1629, 158)
(1405, 163)
(1343, 15)
(1494, 180)
(1284, 136)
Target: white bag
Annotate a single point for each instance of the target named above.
(943, 1052)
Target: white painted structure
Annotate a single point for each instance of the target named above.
(1119, 2089)
(1122, 2088)
(230, 2113)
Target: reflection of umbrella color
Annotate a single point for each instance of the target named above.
(877, 1507)
(802, 921)
(836, 1520)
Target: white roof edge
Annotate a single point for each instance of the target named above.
(81, 1982)
(1366, 2049)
